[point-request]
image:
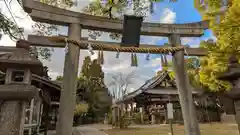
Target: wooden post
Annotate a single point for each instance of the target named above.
(68, 93)
(45, 117)
(170, 116)
(185, 94)
(171, 126)
(131, 109)
(237, 116)
(141, 113)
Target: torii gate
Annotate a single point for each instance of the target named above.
(78, 21)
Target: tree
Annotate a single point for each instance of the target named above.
(120, 84)
(59, 78)
(226, 29)
(9, 27)
(93, 90)
(80, 109)
(115, 9)
(192, 67)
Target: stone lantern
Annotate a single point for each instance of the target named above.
(233, 76)
(17, 91)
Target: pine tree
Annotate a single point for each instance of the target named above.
(92, 88)
(85, 67)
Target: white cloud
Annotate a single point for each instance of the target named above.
(168, 16)
(112, 65)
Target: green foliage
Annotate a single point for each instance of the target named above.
(192, 67)
(137, 118)
(8, 27)
(59, 78)
(211, 66)
(110, 118)
(115, 10)
(124, 121)
(80, 109)
(91, 86)
(228, 37)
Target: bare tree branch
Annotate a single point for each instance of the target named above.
(120, 83)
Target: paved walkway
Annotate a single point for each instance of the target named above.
(85, 130)
(95, 129)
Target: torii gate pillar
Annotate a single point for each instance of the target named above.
(185, 93)
(68, 93)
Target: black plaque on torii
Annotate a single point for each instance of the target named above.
(131, 31)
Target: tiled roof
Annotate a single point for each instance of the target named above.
(149, 87)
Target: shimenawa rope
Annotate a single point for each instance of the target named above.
(95, 46)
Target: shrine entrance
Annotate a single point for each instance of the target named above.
(74, 42)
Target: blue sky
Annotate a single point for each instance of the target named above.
(185, 13)
(184, 9)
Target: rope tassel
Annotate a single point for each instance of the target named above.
(135, 59)
(102, 57)
(132, 60)
(117, 55)
(99, 57)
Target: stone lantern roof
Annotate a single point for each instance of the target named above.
(233, 71)
(232, 75)
(21, 58)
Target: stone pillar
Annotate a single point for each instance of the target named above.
(105, 119)
(233, 75)
(113, 116)
(185, 95)
(165, 114)
(68, 93)
(153, 118)
(131, 109)
(141, 112)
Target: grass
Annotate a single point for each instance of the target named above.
(206, 129)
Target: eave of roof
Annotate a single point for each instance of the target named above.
(148, 87)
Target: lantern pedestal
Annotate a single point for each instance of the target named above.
(233, 76)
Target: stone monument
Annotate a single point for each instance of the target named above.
(17, 90)
(233, 76)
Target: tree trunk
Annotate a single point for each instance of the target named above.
(185, 93)
(10, 117)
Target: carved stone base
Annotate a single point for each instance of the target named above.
(11, 117)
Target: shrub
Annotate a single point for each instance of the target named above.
(80, 109)
(137, 118)
(124, 121)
